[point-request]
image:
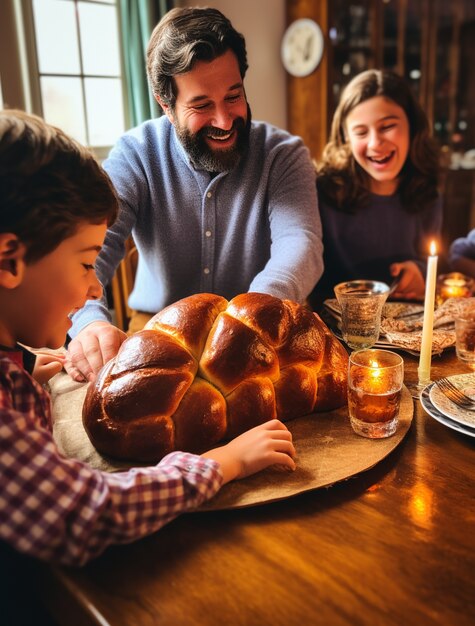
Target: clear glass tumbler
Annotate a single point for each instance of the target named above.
(375, 379)
(465, 339)
(361, 303)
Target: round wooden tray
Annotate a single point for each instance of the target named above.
(328, 451)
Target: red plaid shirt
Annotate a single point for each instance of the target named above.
(62, 510)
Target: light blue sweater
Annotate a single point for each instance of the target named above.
(256, 228)
(463, 247)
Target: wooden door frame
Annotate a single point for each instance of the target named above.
(307, 97)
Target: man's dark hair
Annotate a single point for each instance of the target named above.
(183, 37)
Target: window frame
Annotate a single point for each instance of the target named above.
(17, 30)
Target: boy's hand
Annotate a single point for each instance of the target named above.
(96, 344)
(267, 444)
(412, 284)
(46, 366)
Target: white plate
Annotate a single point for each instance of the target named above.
(440, 417)
(449, 409)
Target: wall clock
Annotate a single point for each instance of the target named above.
(302, 47)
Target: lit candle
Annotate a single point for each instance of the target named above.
(428, 323)
(454, 285)
(375, 380)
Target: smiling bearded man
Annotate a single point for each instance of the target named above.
(211, 159)
(216, 202)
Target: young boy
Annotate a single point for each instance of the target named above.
(55, 205)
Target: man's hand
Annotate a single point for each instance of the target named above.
(412, 284)
(96, 344)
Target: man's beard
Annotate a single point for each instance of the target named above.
(204, 157)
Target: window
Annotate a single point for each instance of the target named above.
(71, 49)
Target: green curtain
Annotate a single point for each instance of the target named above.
(137, 20)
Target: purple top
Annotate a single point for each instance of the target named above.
(364, 244)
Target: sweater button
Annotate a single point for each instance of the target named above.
(206, 270)
(209, 194)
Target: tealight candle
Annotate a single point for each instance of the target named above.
(454, 285)
(428, 321)
(374, 391)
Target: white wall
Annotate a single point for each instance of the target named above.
(262, 22)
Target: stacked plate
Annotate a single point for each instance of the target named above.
(438, 406)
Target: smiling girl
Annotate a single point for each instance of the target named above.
(377, 185)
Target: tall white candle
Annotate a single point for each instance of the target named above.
(428, 323)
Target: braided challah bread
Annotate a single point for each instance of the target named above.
(205, 369)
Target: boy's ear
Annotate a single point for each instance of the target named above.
(12, 263)
(166, 109)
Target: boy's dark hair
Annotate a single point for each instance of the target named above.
(49, 184)
(344, 183)
(184, 36)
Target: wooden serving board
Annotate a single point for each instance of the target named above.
(328, 451)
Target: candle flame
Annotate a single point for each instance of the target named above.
(375, 372)
(433, 248)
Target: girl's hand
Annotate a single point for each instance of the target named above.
(267, 444)
(46, 366)
(412, 284)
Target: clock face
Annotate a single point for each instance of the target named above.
(302, 47)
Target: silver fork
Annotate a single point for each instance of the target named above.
(455, 395)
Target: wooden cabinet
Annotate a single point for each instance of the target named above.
(430, 42)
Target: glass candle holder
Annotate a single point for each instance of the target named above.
(375, 379)
(453, 285)
(361, 303)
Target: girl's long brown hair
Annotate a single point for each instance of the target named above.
(343, 183)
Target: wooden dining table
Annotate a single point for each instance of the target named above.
(393, 545)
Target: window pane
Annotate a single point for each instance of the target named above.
(105, 113)
(99, 39)
(56, 37)
(63, 105)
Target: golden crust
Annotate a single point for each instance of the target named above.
(204, 370)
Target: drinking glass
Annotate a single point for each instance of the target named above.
(361, 303)
(465, 339)
(375, 379)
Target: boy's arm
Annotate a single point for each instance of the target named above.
(62, 510)
(267, 444)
